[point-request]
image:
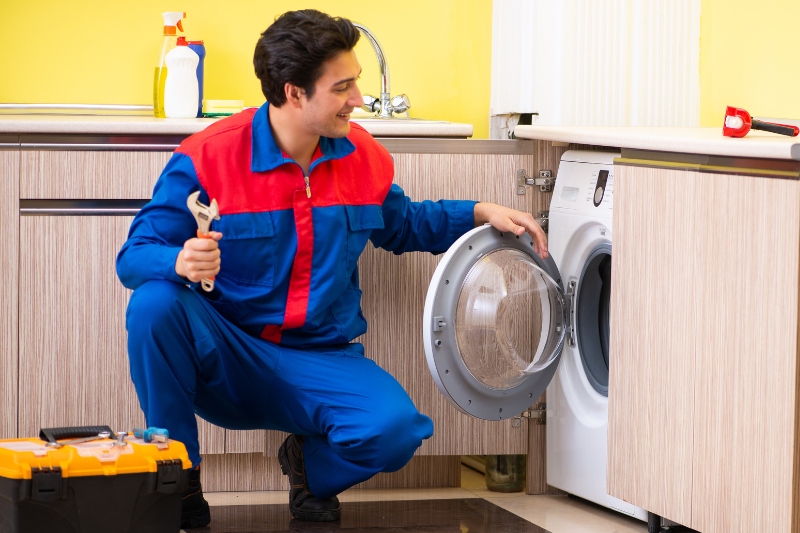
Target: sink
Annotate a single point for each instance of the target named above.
(407, 120)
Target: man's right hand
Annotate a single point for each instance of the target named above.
(199, 258)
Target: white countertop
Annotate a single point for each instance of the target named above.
(705, 141)
(145, 125)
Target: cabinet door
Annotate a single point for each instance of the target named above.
(704, 310)
(73, 341)
(72, 353)
(9, 222)
(394, 290)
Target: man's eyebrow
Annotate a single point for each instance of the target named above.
(349, 79)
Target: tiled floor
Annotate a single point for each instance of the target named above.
(469, 508)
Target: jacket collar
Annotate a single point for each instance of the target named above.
(267, 156)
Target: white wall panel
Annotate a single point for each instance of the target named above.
(597, 62)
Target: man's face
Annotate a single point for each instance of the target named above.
(327, 112)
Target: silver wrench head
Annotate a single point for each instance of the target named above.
(203, 214)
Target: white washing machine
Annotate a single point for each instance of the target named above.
(501, 324)
(577, 397)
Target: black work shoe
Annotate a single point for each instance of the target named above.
(194, 509)
(302, 503)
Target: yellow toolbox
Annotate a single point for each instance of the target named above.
(87, 480)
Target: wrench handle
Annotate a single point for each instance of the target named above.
(206, 283)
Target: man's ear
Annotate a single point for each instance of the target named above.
(294, 94)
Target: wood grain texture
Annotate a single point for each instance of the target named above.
(246, 441)
(72, 349)
(745, 350)
(82, 175)
(703, 390)
(256, 472)
(90, 174)
(654, 318)
(394, 339)
(9, 257)
(73, 341)
(210, 437)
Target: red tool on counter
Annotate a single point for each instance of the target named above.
(738, 123)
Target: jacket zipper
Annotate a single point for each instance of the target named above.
(308, 186)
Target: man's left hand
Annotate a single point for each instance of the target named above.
(517, 222)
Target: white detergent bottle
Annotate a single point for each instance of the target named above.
(180, 90)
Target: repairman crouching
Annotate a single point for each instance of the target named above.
(300, 190)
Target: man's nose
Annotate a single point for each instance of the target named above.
(354, 98)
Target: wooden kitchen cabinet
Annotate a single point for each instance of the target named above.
(72, 339)
(9, 223)
(704, 314)
(72, 348)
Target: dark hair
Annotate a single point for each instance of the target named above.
(294, 48)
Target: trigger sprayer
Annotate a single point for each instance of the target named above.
(172, 23)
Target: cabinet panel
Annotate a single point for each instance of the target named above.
(246, 441)
(746, 357)
(704, 334)
(655, 312)
(394, 294)
(72, 350)
(9, 223)
(73, 341)
(84, 175)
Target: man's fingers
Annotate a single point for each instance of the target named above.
(203, 244)
(537, 233)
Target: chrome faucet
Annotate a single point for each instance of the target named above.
(386, 105)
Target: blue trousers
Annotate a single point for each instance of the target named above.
(186, 358)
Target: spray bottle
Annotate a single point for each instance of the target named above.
(172, 23)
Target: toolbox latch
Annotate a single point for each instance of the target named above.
(47, 484)
(168, 475)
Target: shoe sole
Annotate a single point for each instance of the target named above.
(199, 518)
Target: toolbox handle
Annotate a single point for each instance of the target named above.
(75, 432)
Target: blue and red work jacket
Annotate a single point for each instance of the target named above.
(288, 261)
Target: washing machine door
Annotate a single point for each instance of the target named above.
(494, 323)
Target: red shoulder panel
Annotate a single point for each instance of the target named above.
(222, 155)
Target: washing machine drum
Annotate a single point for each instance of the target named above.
(494, 323)
(592, 317)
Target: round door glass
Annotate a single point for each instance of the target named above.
(505, 324)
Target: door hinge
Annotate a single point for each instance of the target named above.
(537, 413)
(544, 220)
(544, 181)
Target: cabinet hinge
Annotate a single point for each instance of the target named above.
(544, 220)
(537, 413)
(544, 181)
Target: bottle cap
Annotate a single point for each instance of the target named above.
(195, 42)
(182, 41)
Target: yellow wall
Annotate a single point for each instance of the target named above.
(749, 58)
(93, 51)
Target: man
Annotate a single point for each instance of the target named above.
(300, 191)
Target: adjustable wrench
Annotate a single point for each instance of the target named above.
(203, 214)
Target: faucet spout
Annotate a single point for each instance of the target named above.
(386, 108)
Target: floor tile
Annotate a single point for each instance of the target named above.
(470, 508)
(416, 516)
